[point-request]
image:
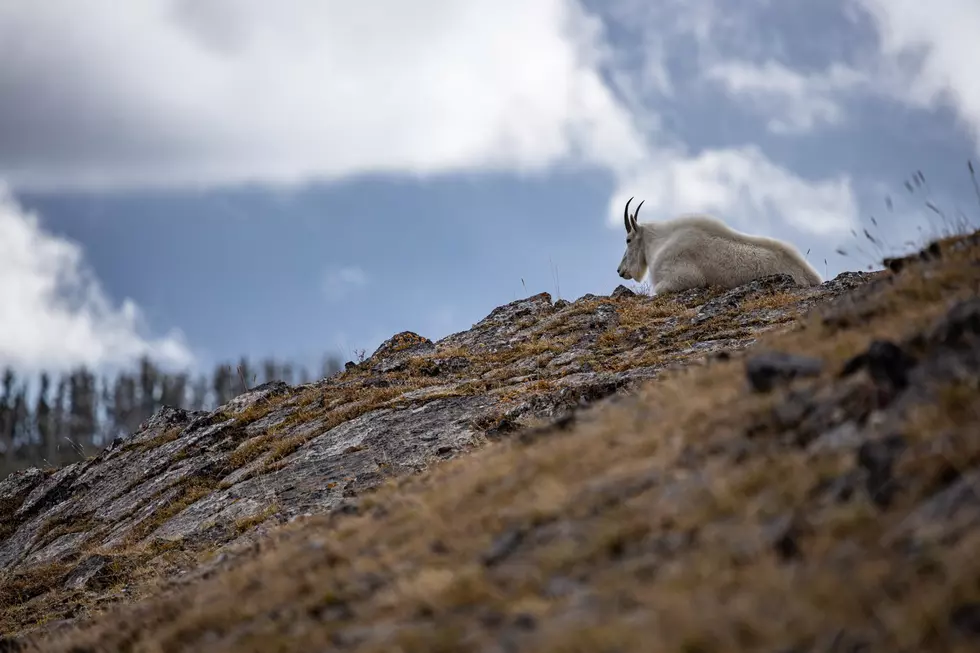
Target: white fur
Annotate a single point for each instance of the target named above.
(698, 250)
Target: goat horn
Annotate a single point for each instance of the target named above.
(626, 214)
(636, 213)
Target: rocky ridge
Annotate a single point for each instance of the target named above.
(825, 478)
(193, 482)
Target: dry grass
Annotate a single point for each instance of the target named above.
(450, 351)
(638, 313)
(169, 435)
(659, 520)
(247, 523)
(260, 409)
(526, 390)
(22, 587)
(524, 350)
(55, 527)
(251, 449)
(326, 408)
(187, 492)
(26, 599)
(769, 302)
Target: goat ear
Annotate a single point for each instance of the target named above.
(633, 222)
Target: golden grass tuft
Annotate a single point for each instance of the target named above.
(247, 523)
(169, 435)
(189, 490)
(22, 586)
(55, 527)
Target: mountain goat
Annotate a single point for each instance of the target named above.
(697, 250)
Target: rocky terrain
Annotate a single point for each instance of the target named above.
(763, 469)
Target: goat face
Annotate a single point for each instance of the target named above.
(634, 263)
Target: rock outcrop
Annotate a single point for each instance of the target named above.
(191, 497)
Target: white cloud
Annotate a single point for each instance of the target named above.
(932, 49)
(742, 187)
(202, 92)
(55, 314)
(340, 282)
(924, 56)
(792, 102)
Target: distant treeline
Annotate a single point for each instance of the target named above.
(50, 421)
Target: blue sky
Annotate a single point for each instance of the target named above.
(205, 179)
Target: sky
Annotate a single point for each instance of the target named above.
(200, 180)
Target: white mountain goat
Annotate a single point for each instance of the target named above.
(697, 250)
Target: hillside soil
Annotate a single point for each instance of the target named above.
(817, 491)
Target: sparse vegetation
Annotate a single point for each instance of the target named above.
(247, 523)
(185, 493)
(936, 226)
(23, 586)
(55, 527)
(718, 517)
(169, 435)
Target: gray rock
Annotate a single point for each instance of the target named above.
(877, 458)
(51, 490)
(622, 291)
(87, 571)
(277, 453)
(887, 363)
(956, 509)
(17, 488)
(730, 300)
(767, 369)
(62, 549)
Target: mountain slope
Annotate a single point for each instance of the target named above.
(814, 493)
